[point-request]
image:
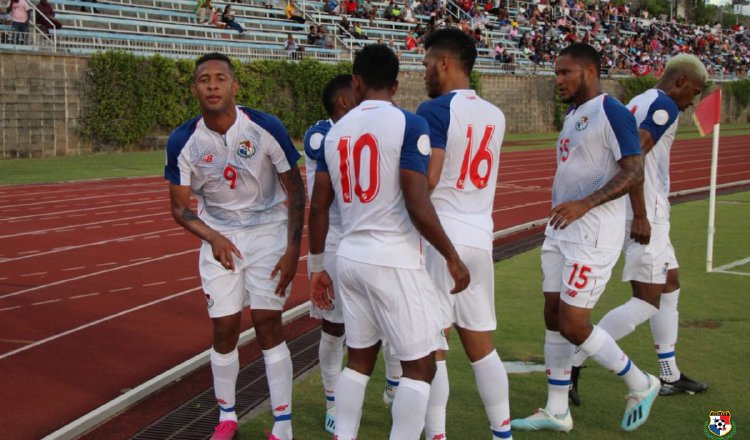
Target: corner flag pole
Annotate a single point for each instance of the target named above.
(707, 117)
(712, 200)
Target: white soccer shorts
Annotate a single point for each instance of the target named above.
(649, 263)
(386, 303)
(250, 284)
(473, 308)
(336, 314)
(579, 272)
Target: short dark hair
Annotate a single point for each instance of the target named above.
(332, 88)
(584, 54)
(455, 41)
(377, 65)
(213, 56)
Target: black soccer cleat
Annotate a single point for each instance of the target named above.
(683, 385)
(575, 373)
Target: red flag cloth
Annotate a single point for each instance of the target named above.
(708, 112)
(641, 69)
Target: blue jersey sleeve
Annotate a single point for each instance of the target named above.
(276, 128)
(313, 141)
(176, 142)
(660, 116)
(415, 152)
(437, 112)
(623, 126)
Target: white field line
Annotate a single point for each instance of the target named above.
(733, 264)
(81, 198)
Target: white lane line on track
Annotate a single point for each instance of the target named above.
(140, 259)
(192, 277)
(45, 302)
(121, 289)
(28, 252)
(80, 277)
(111, 263)
(158, 283)
(105, 213)
(85, 295)
(92, 227)
(143, 222)
(96, 243)
(79, 210)
(151, 237)
(74, 268)
(93, 323)
(87, 198)
(33, 274)
(121, 224)
(175, 234)
(10, 308)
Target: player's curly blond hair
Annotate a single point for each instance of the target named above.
(688, 65)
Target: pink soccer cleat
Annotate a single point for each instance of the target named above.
(225, 430)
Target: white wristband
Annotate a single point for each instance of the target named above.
(315, 262)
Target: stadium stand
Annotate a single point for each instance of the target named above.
(512, 37)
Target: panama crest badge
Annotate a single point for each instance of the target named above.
(719, 425)
(246, 149)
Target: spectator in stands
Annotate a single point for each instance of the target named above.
(351, 6)
(291, 45)
(293, 13)
(19, 17)
(412, 43)
(345, 26)
(357, 32)
(216, 18)
(407, 15)
(312, 35)
(388, 12)
(228, 18)
(45, 17)
(203, 11)
(322, 40)
(93, 10)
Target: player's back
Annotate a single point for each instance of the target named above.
(313, 143)
(658, 114)
(364, 154)
(471, 130)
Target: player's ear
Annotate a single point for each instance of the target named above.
(235, 87)
(394, 87)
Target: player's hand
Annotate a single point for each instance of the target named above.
(640, 230)
(223, 249)
(287, 268)
(321, 290)
(566, 213)
(460, 274)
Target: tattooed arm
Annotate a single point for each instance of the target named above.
(287, 265)
(179, 197)
(630, 175)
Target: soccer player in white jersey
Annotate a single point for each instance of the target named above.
(650, 261)
(375, 166)
(466, 133)
(598, 161)
(240, 165)
(338, 99)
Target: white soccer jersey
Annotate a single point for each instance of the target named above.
(312, 142)
(471, 131)
(595, 135)
(233, 176)
(658, 114)
(364, 154)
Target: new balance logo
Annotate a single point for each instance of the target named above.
(280, 408)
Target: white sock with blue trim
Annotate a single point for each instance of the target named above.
(558, 358)
(225, 368)
(492, 384)
(393, 371)
(279, 374)
(331, 354)
(664, 328)
(603, 349)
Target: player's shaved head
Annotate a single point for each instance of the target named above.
(377, 66)
(584, 55)
(213, 56)
(338, 84)
(455, 41)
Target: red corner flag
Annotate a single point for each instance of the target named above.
(708, 112)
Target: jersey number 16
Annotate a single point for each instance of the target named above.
(470, 165)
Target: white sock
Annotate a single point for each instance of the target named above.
(331, 354)
(392, 372)
(350, 395)
(492, 384)
(621, 321)
(603, 349)
(279, 374)
(558, 354)
(225, 368)
(434, 427)
(409, 409)
(664, 327)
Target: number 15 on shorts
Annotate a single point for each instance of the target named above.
(579, 275)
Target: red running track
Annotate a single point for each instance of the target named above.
(99, 289)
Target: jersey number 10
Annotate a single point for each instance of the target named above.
(366, 141)
(471, 166)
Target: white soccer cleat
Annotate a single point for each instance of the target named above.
(542, 420)
(387, 398)
(639, 405)
(330, 424)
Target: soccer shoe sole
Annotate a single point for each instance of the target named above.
(637, 415)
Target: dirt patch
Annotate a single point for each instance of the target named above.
(706, 323)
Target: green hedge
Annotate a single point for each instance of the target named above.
(128, 97)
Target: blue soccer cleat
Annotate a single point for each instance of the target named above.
(639, 405)
(542, 420)
(330, 424)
